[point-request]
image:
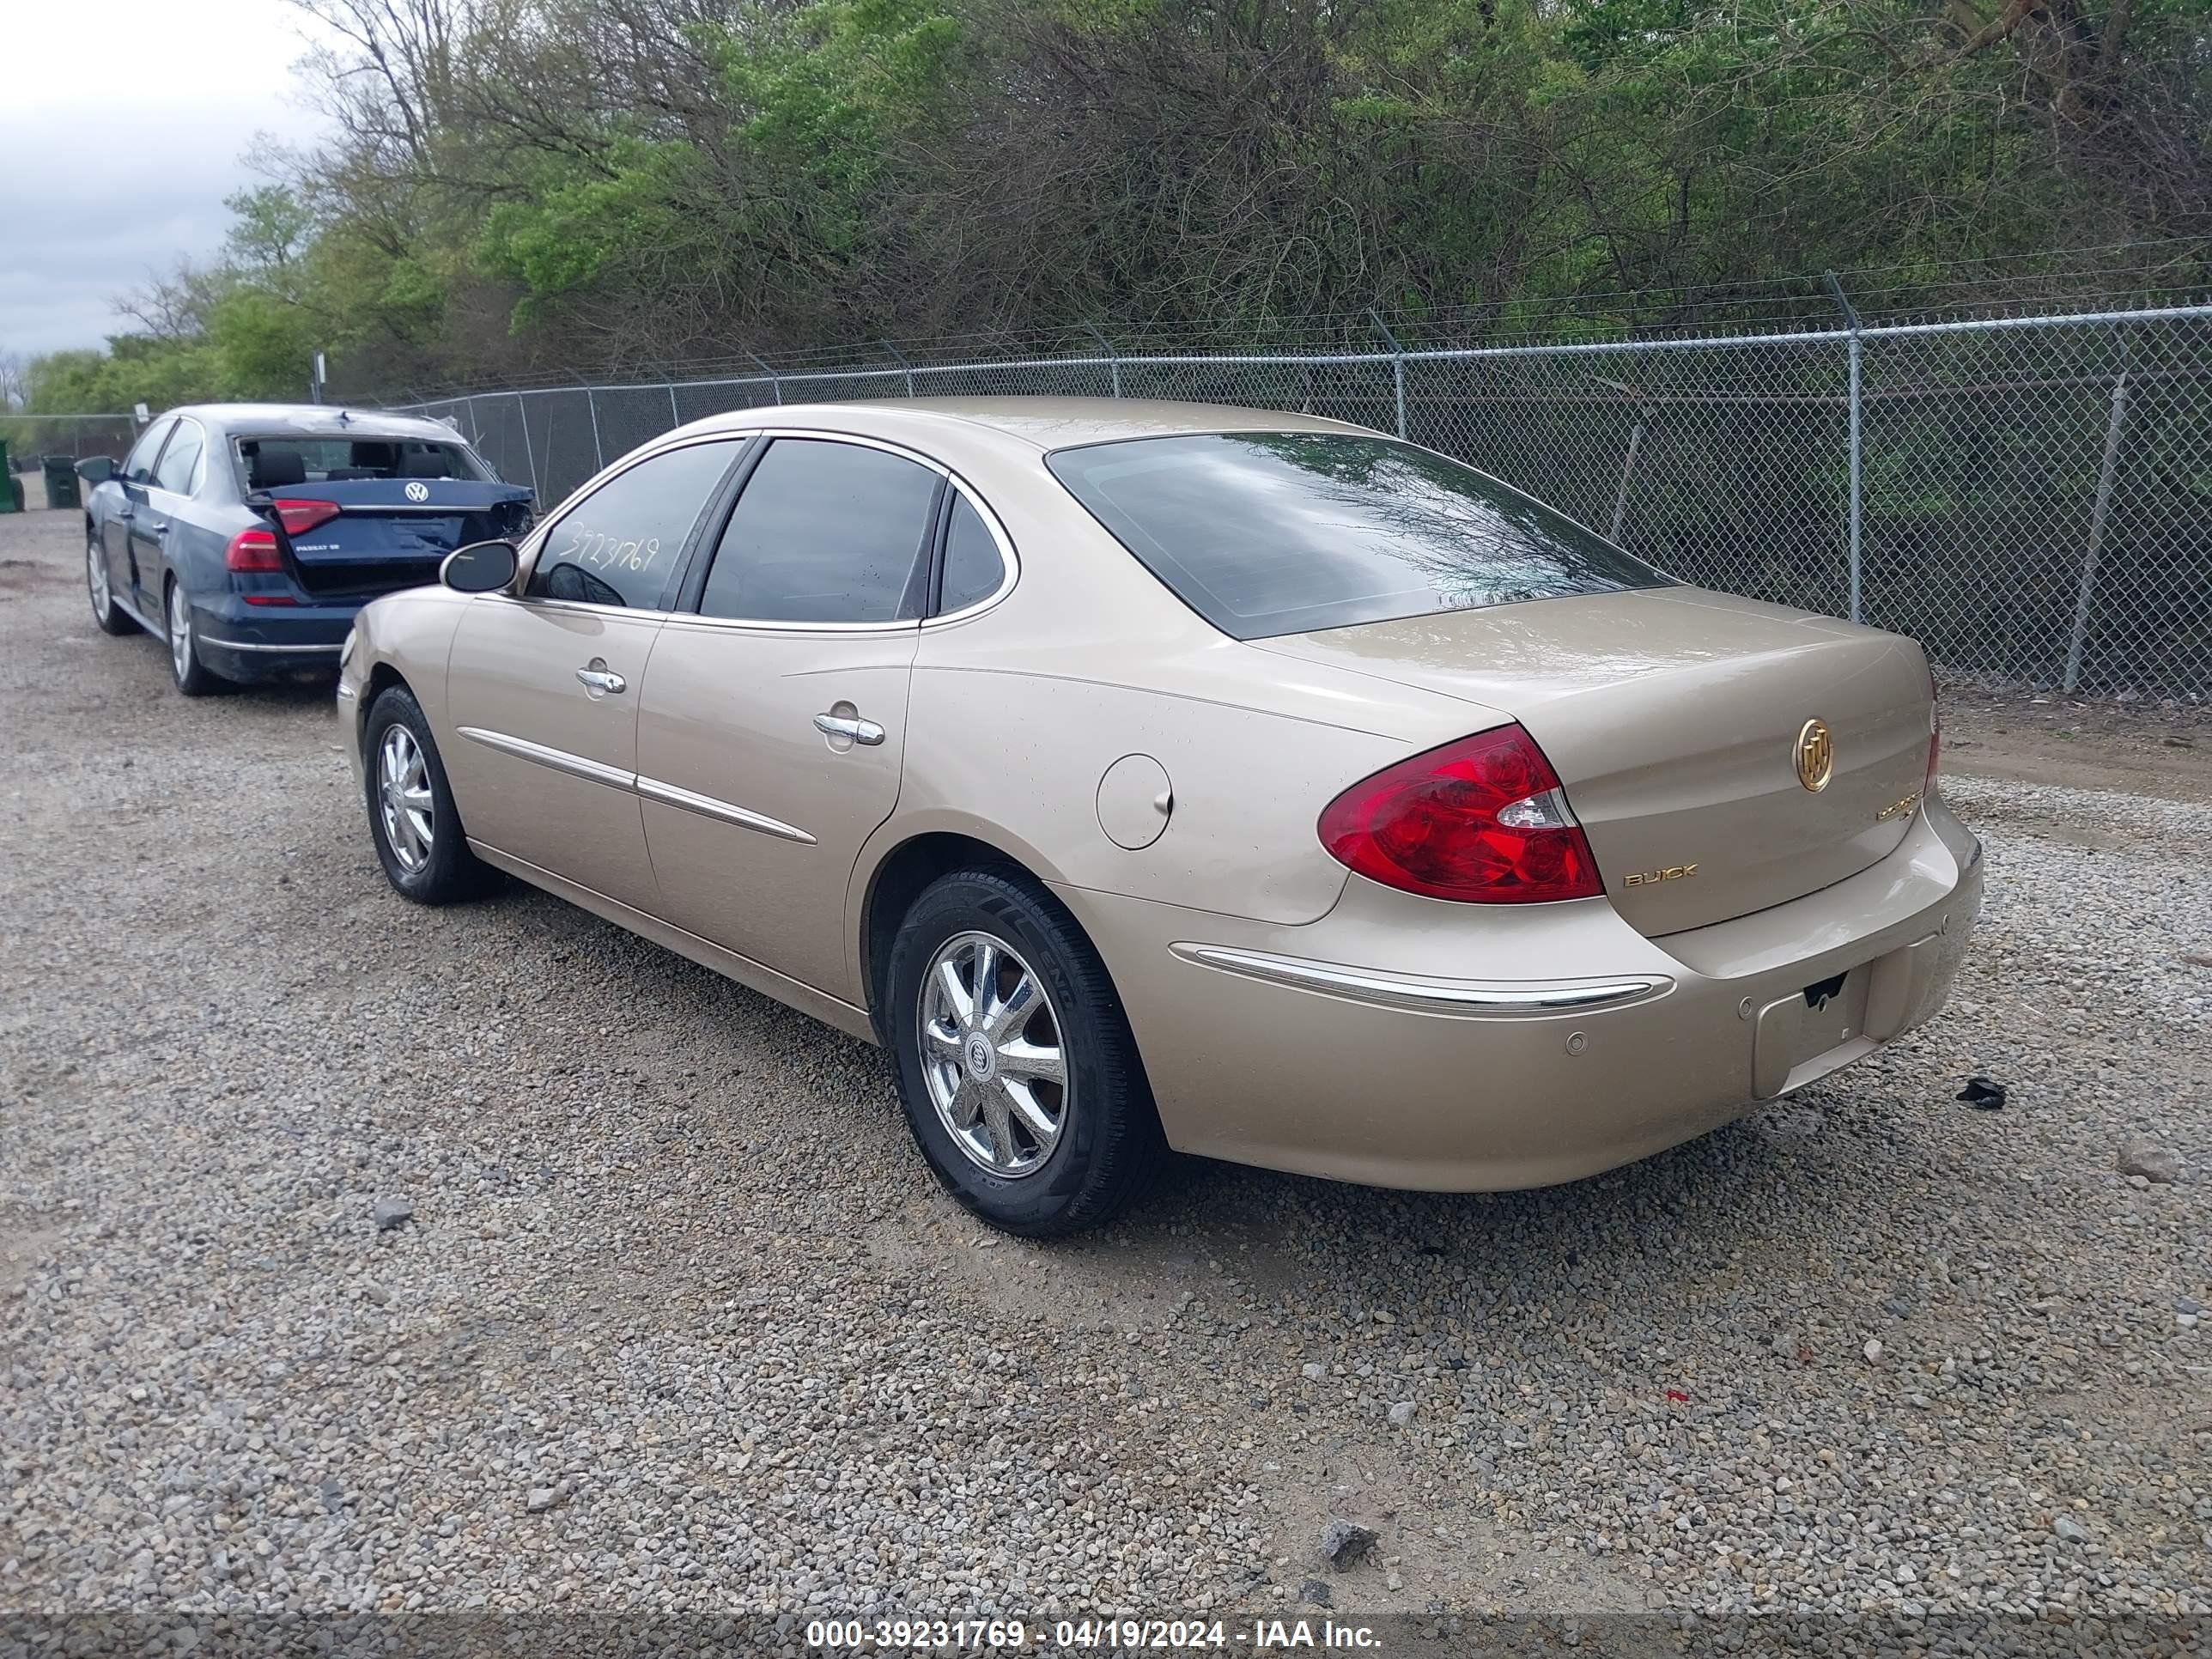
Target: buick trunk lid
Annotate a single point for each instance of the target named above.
(1674, 718)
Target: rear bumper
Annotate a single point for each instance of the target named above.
(1516, 1050)
(242, 641)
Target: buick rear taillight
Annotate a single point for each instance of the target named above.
(253, 550)
(1935, 739)
(1483, 820)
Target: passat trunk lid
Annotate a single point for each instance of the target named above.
(393, 532)
(1675, 717)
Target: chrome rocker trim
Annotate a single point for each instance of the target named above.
(560, 760)
(1463, 998)
(577, 766)
(722, 811)
(280, 650)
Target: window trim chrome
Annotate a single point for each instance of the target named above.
(1475, 999)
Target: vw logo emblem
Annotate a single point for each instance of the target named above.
(418, 492)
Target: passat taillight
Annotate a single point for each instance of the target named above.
(253, 550)
(300, 517)
(1483, 820)
(256, 549)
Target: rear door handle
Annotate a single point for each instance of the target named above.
(602, 680)
(840, 725)
(161, 528)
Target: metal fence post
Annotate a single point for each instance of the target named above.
(900, 359)
(1113, 357)
(1397, 365)
(1627, 471)
(2085, 596)
(1857, 349)
(529, 450)
(599, 454)
(774, 379)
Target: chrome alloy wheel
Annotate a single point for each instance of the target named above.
(991, 1054)
(180, 629)
(95, 574)
(403, 796)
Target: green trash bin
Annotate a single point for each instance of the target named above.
(61, 482)
(11, 489)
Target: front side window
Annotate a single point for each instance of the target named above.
(825, 533)
(973, 568)
(1265, 533)
(618, 544)
(179, 468)
(138, 467)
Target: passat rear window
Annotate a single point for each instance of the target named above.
(1265, 533)
(273, 463)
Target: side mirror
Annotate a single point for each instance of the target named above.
(96, 469)
(479, 568)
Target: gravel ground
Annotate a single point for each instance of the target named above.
(676, 1318)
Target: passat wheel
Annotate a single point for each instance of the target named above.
(411, 815)
(105, 612)
(194, 677)
(1017, 1069)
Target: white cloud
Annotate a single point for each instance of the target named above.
(122, 155)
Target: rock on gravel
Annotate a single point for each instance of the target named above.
(2153, 1163)
(1343, 1542)
(390, 1212)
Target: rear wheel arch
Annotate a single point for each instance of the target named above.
(900, 877)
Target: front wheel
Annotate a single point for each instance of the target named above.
(1018, 1074)
(411, 815)
(105, 610)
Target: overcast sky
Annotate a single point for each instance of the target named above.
(122, 124)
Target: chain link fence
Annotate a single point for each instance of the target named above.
(2030, 496)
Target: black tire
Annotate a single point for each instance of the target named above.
(109, 615)
(193, 678)
(450, 872)
(1109, 1146)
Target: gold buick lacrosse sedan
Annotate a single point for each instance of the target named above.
(1149, 775)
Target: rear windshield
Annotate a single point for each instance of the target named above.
(1283, 533)
(272, 462)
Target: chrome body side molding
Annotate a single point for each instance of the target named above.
(1464, 998)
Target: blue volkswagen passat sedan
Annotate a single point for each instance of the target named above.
(248, 535)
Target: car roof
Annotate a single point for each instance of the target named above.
(1043, 423)
(315, 421)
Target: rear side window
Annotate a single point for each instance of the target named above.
(825, 533)
(181, 462)
(973, 568)
(618, 546)
(1265, 533)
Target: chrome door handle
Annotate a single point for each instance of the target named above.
(602, 679)
(840, 725)
(160, 528)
